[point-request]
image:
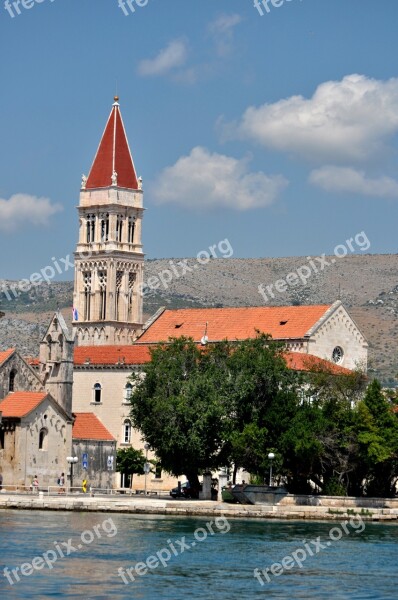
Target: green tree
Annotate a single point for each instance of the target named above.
(179, 406)
(130, 462)
(377, 428)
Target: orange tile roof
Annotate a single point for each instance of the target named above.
(88, 427)
(281, 322)
(298, 361)
(6, 354)
(33, 362)
(111, 355)
(20, 404)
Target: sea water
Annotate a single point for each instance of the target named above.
(104, 556)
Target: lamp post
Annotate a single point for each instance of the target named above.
(271, 456)
(72, 460)
(146, 466)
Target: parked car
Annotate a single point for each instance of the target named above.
(185, 491)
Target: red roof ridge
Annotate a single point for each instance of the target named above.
(111, 355)
(236, 323)
(113, 156)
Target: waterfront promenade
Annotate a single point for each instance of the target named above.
(327, 509)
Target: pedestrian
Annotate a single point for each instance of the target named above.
(35, 485)
(61, 484)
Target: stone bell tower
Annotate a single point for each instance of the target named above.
(56, 362)
(109, 259)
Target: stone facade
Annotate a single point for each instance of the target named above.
(24, 453)
(56, 362)
(98, 473)
(112, 408)
(16, 375)
(337, 331)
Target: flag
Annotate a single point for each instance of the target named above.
(75, 314)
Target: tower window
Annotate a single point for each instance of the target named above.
(104, 227)
(87, 295)
(43, 440)
(2, 439)
(119, 282)
(102, 278)
(158, 471)
(119, 228)
(90, 229)
(131, 230)
(132, 278)
(11, 381)
(97, 393)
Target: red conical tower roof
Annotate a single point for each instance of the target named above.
(113, 155)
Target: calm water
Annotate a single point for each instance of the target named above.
(360, 566)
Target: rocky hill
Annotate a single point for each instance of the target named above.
(367, 284)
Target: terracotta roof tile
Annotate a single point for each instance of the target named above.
(6, 354)
(299, 361)
(281, 322)
(88, 427)
(20, 404)
(111, 355)
(33, 362)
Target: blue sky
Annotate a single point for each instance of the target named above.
(278, 132)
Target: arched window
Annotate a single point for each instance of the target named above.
(97, 393)
(128, 390)
(43, 439)
(87, 295)
(119, 227)
(90, 229)
(131, 230)
(11, 381)
(126, 432)
(130, 299)
(104, 227)
(102, 280)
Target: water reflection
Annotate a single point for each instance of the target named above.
(360, 566)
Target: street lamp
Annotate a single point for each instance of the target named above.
(72, 460)
(271, 456)
(146, 466)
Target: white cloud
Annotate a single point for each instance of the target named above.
(352, 119)
(171, 57)
(345, 179)
(22, 209)
(222, 31)
(204, 180)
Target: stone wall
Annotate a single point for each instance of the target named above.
(98, 474)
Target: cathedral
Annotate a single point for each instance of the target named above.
(76, 397)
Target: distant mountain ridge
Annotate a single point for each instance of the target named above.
(367, 284)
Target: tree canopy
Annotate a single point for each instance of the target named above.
(230, 404)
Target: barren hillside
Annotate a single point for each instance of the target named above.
(367, 284)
